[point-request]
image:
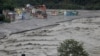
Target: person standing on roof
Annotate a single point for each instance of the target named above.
(33, 11)
(43, 9)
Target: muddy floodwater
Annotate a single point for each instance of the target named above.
(44, 41)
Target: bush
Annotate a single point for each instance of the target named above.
(93, 7)
(71, 48)
(6, 20)
(3, 19)
(71, 6)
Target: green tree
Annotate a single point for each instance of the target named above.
(71, 48)
(6, 4)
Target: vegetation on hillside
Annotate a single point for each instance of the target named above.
(53, 4)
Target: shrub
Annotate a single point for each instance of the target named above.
(3, 19)
(6, 20)
(71, 48)
(71, 6)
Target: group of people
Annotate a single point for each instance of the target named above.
(38, 11)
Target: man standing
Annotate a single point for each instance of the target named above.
(23, 15)
(33, 11)
(43, 9)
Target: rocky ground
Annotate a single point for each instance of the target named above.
(44, 41)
